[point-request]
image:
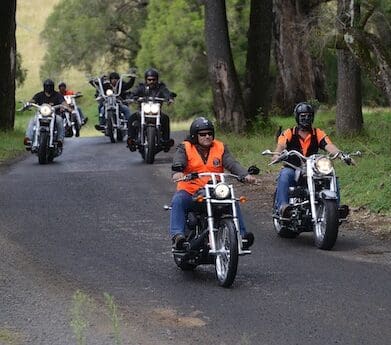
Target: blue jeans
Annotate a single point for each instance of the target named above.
(181, 204)
(59, 126)
(286, 179)
(122, 108)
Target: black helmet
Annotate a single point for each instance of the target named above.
(151, 72)
(62, 84)
(48, 86)
(304, 108)
(200, 124)
(114, 75)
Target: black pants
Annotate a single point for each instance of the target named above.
(134, 124)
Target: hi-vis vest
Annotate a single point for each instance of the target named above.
(196, 164)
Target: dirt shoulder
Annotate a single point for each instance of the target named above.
(360, 219)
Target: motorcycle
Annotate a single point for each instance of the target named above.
(116, 126)
(149, 142)
(212, 228)
(72, 121)
(313, 202)
(44, 142)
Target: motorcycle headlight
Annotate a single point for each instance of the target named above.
(45, 110)
(221, 191)
(155, 108)
(147, 108)
(109, 92)
(323, 165)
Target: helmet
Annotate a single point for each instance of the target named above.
(62, 84)
(200, 124)
(114, 75)
(48, 86)
(151, 72)
(304, 108)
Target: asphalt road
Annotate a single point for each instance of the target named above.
(93, 221)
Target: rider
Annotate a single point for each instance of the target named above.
(201, 152)
(52, 97)
(112, 83)
(305, 139)
(151, 88)
(62, 88)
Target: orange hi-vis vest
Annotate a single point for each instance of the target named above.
(196, 164)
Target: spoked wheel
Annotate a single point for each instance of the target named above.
(43, 149)
(111, 128)
(150, 145)
(326, 229)
(226, 263)
(281, 229)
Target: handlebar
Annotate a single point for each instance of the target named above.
(214, 176)
(283, 155)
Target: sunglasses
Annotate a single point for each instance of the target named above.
(151, 79)
(204, 134)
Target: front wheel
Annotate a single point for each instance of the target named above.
(326, 228)
(149, 148)
(43, 149)
(227, 258)
(112, 129)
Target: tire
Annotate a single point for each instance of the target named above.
(149, 148)
(43, 149)
(281, 230)
(326, 231)
(111, 129)
(184, 265)
(226, 263)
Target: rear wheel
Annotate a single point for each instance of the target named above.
(281, 229)
(226, 263)
(326, 229)
(183, 264)
(149, 148)
(43, 149)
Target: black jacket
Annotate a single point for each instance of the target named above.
(160, 91)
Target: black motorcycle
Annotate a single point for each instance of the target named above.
(212, 228)
(313, 202)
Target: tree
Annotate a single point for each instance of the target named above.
(257, 83)
(349, 117)
(89, 33)
(7, 64)
(227, 97)
(300, 75)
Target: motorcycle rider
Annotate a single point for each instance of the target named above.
(150, 88)
(62, 88)
(200, 152)
(306, 140)
(111, 83)
(52, 97)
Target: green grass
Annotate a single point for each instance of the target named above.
(368, 184)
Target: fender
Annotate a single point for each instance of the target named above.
(328, 194)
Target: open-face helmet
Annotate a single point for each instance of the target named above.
(48, 86)
(200, 124)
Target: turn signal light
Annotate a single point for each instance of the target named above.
(200, 198)
(242, 199)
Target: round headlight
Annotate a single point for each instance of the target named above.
(147, 108)
(45, 110)
(324, 166)
(155, 108)
(221, 191)
(109, 92)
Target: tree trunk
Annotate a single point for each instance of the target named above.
(227, 97)
(257, 84)
(7, 63)
(299, 74)
(349, 119)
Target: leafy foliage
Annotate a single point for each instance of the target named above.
(92, 35)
